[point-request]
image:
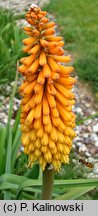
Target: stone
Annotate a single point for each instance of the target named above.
(95, 128)
(94, 137)
(96, 143)
(82, 148)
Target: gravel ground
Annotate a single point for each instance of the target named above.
(86, 142)
(19, 6)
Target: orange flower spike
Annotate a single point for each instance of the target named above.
(46, 119)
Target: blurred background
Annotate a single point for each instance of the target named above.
(77, 22)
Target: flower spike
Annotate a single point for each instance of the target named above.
(47, 120)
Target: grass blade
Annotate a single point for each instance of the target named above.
(16, 123)
(15, 147)
(2, 148)
(74, 193)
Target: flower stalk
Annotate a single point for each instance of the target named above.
(48, 182)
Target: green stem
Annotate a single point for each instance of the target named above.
(48, 182)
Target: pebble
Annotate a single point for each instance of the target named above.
(95, 128)
(94, 137)
(18, 6)
(96, 143)
(82, 148)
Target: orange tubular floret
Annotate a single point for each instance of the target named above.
(42, 58)
(27, 48)
(48, 32)
(61, 58)
(54, 39)
(49, 25)
(66, 70)
(34, 66)
(46, 71)
(54, 66)
(56, 51)
(46, 109)
(52, 45)
(43, 42)
(67, 81)
(29, 88)
(29, 60)
(27, 28)
(35, 49)
(22, 69)
(29, 41)
(62, 89)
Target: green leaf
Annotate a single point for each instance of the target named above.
(15, 179)
(33, 172)
(8, 154)
(74, 193)
(27, 183)
(11, 101)
(79, 122)
(15, 147)
(76, 183)
(16, 124)
(9, 130)
(2, 148)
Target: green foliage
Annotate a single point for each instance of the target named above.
(77, 22)
(10, 45)
(13, 161)
(87, 68)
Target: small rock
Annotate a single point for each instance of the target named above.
(83, 148)
(88, 122)
(93, 151)
(96, 143)
(85, 135)
(94, 137)
(78, 110)
(95, 128)
(87, 154)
